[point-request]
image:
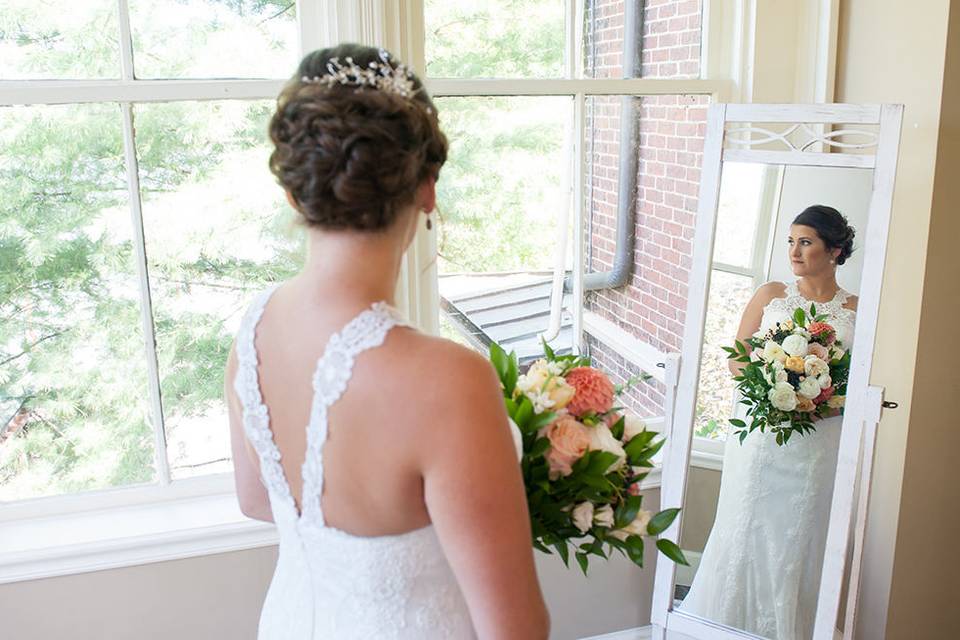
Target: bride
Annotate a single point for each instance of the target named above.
(383, 455)
(760, 569)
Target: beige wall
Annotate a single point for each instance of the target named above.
(700, 507)
(216, 596)
(220, 596)
(893, 51)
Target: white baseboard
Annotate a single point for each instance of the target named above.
(638, 633)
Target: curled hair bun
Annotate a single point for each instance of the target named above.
(831, 226)
(352, 158)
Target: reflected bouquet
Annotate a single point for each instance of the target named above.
(582, 459)
(795, 373)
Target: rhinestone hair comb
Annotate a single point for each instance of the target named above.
(376, 75)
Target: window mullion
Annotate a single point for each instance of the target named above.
(146, 303)
(126, 40)
(579, 263)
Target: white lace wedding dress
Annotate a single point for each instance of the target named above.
(328, 583)
(760, 569)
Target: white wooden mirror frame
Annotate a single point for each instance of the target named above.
(862, 412)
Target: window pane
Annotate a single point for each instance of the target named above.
(495, 38)
(218, 230)
(499, 196)
(667, 34)
(738, 212)
(46, 39)
(73, 382)
(729, 295)
(663, 158)
(214, 38)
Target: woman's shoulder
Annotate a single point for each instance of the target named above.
(445, 362)
(768, 291)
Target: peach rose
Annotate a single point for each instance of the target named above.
(594, 391)
(805, 404)
(569, 440)
(816, 349)
(822, 332)
(795, 364)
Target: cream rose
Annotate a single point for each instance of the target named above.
(795, 345)
(604, 516)
(825, 380)
(809, 387)
(633, 426)
(582, 516)
(636, 528)
(783, 397)
(773, 351)
(601, 439)
(815, 366)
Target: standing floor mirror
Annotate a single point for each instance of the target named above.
(774, 531)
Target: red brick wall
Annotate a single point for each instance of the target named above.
(670, 129)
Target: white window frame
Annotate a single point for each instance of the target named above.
(74, 533)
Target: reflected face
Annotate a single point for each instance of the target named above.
(808, 253)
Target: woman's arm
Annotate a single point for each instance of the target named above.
(253, 498)
(752, 315)
(475, 496)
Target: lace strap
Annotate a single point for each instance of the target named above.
(256, 420)
(330, 380)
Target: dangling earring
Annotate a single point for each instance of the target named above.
(429, 223)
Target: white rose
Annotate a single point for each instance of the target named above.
(795, 345)
(773, 351)
(604, 516)
(783, 397)
(809, 387)
(814, 366)
(632, 426)
(636, 528)
(825, 380)
(601, 439)
(582, 516)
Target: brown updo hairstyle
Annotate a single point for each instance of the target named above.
(831, 226)
(352, 158)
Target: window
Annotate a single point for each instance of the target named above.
(138, 218)
(566, 118)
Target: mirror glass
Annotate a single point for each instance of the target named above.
(756, 511)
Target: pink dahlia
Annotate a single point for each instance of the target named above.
(822, 332)
(594, 391)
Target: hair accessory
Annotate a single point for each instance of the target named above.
(377, 75)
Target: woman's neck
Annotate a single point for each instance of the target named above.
(821, 287)
(355, 267)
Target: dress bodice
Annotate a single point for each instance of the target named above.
(329, 583)
(842, 319)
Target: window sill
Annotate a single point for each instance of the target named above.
(127, 535)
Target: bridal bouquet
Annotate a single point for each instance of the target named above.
(795, 372)
(582, 459)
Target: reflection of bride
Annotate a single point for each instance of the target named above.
(760, 569)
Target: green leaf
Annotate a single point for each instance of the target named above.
(501, 362)
(618, 427)
(635, 550)
(672, 551)
(542, 420)
(627, 511)
(540, 447)
(737, 422)
(660, 522)
(524, 414)
(583, 561)
(561, 547)
(513, 373)
(600, 462)
(800, 318)
(547, 350)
